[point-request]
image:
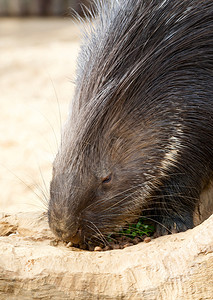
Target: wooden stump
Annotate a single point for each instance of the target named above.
(178, 266)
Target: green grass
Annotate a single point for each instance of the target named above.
(137, 230)
(134, 230)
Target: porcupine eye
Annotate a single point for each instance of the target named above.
(107, 179)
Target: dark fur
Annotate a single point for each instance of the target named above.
(140, 136)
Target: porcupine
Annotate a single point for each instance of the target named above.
(139, 139)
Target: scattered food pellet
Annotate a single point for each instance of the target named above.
(131, 234)
(70, 244)
(97, 248)
(147, 239)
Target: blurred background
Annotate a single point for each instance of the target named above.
(39, 44)
(41, 7)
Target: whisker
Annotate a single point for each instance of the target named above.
(27, 185)
(43, 181)
(54, 132)
(58, 104)
(101, 235)
(114, 196)
(95, 236)
(119, 202)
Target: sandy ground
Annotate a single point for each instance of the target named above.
(37, 65)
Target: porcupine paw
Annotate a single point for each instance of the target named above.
(173, 224)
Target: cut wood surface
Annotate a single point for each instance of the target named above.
(178, 266)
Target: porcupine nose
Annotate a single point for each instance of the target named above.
(74, 238)
(66, 232)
